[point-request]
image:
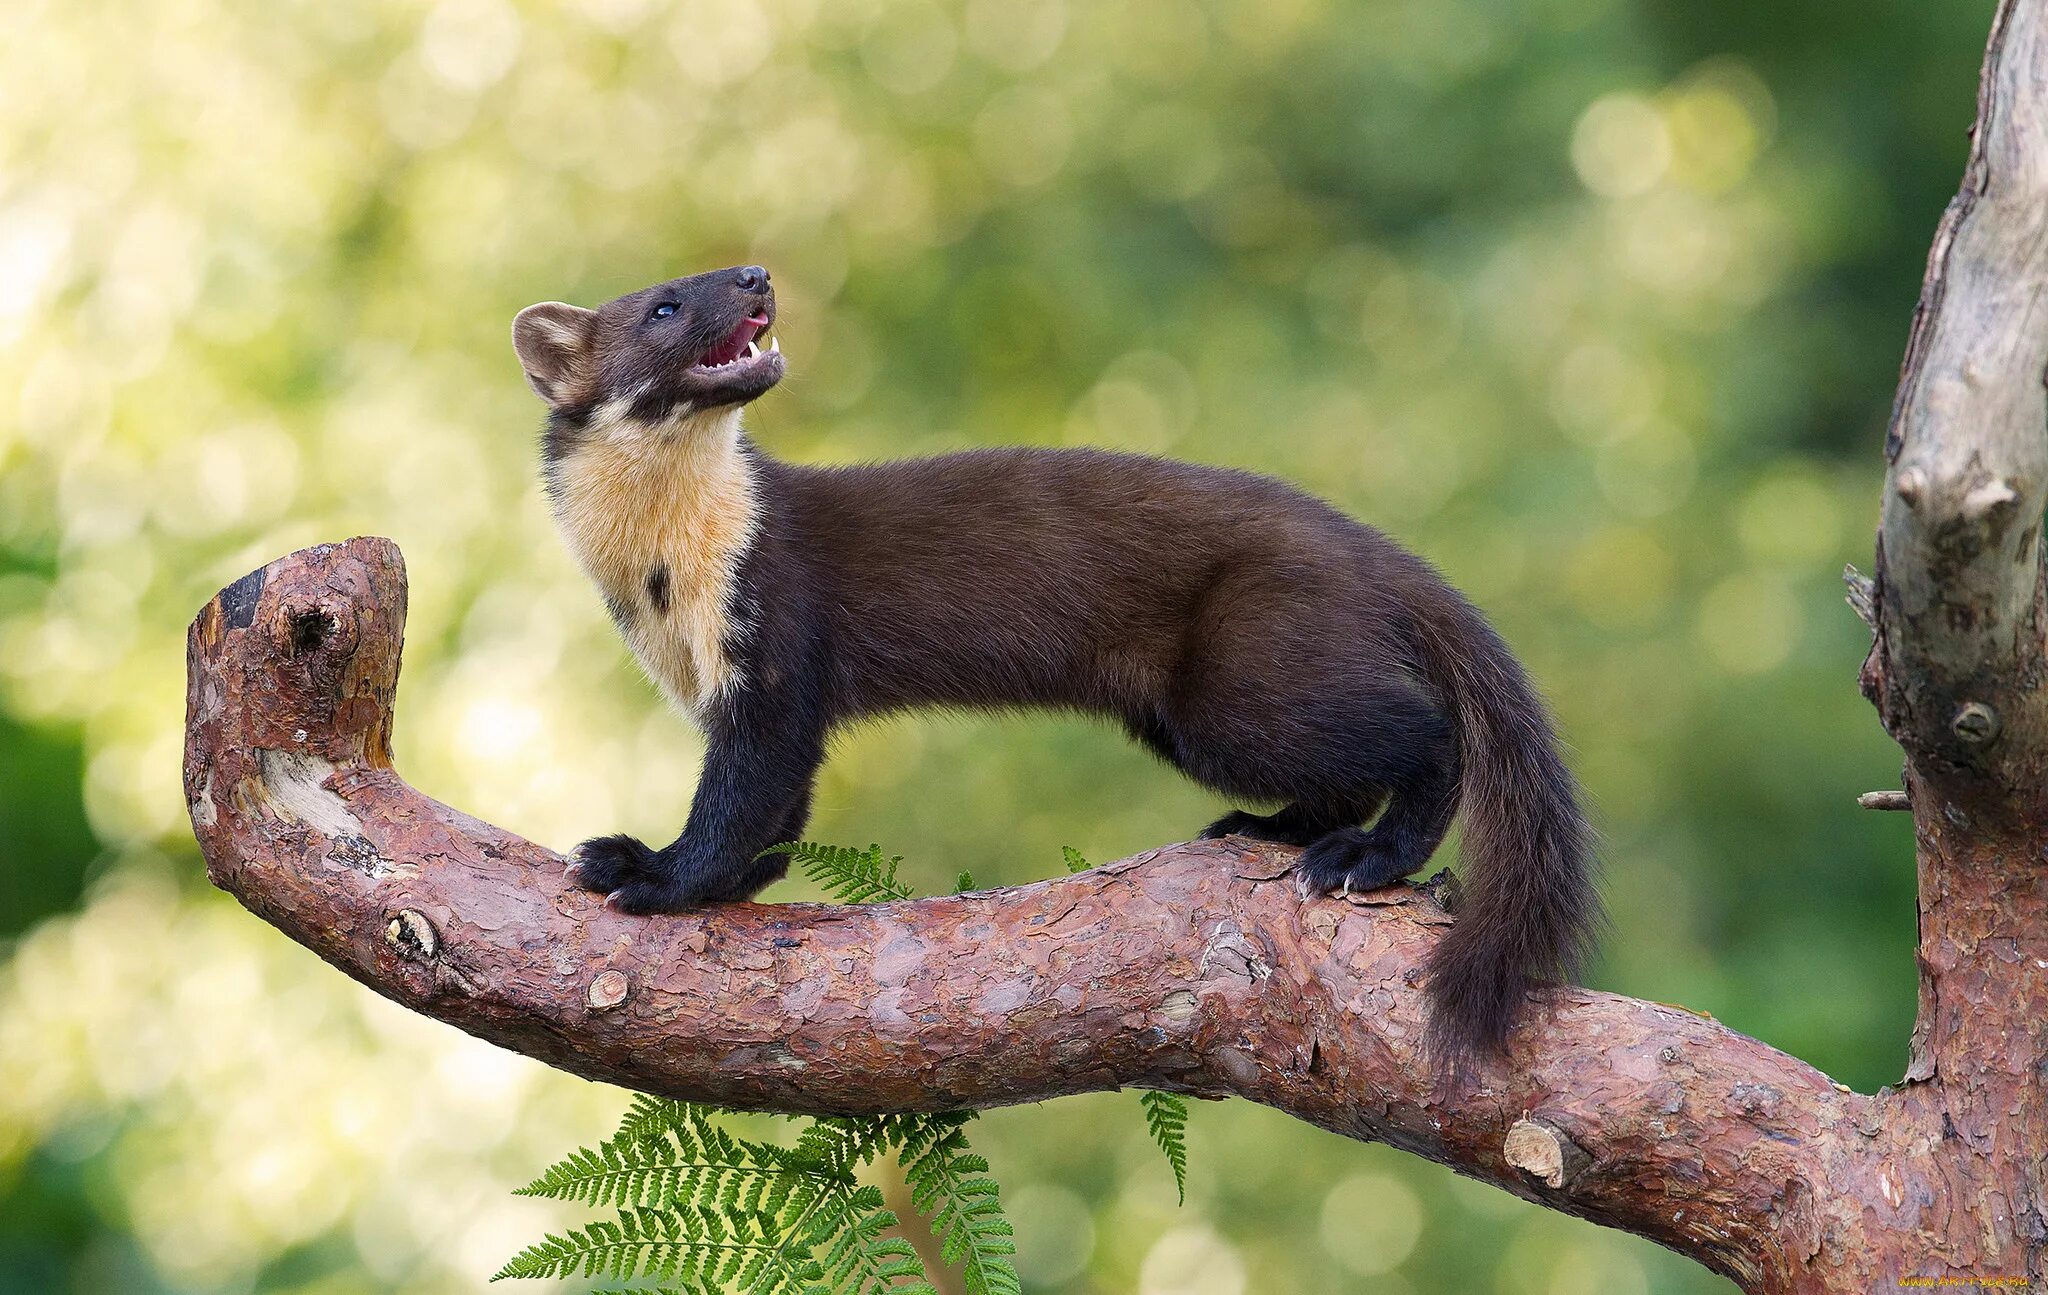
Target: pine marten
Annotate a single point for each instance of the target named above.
(1253, 637)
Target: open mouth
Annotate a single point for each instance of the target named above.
(738, 347)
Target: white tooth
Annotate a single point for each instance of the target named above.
(752, 350)
(775, 344)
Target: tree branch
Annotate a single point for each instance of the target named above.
(1193, 968)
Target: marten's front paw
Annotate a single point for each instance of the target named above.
(608, 863)
(654, 895)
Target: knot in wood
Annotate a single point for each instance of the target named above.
(1975, 724)
(412, 935)
(307, 628)
(1541, 1150)
(1990, 501)
(607, 990)
(1911, 484)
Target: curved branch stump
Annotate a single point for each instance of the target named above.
(1195, 968)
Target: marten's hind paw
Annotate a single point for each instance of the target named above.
(1235, 823)
(1288, 827)
(1348, 860)
(608, 863)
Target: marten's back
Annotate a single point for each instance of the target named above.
(1067, 577)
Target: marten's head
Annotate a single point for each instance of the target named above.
(665, 352)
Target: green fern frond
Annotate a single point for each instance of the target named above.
(850, 876)
(950, 1185)
(1075, 863)
(665, 1153)
(671, 1245)
(964, 882)
(1166, 1115)
(650, 1116)
(704, 1212)
(848, 1245)
(837, 1145)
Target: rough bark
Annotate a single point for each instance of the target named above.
(1195, 968)
(1956, 671)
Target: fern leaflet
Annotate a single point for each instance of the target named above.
(950, 1184)
(850, 876)
(1166, 1116)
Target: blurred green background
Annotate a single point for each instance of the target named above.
(1598, 303)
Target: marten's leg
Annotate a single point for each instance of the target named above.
(766, 745)
(799, 815)
(1298, 824)
(1414, 824)
(1335, 749)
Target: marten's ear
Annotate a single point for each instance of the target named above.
(553, 340)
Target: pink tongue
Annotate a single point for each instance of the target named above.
(736, 342)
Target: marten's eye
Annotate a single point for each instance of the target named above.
(663, 311)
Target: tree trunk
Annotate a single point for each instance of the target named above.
(1196, 968)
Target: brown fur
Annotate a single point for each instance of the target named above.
(1256, 638)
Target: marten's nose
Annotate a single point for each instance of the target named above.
(751, 278)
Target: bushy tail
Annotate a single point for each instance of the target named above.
(1527, 910)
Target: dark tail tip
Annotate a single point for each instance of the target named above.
(1527, 927)
(1474, 1002)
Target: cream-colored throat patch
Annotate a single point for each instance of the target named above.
(660, 516)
